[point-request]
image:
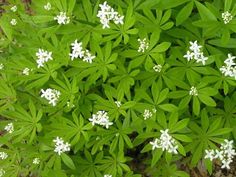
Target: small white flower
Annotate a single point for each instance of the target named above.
(209, 154)
(43, 57)
(36, 161)
(2, 172)
(230, 60)
(13, 22)
(100, 118)
(189, 55)
(219, 154)
(194, 47)
(227, 17)
(48, 6)
(62, 18)
(3, 155)
(118, 103)
(1, 66)
(155, 144)
(107, 175)
(201, 58)
(119, 19)
(193, 91)
(88, 57)
(9, 128)
(26, 71)
(225, 163)
(157, 68)
(147, 114)
(14, 8)
(143, 45)
(60, 146)
(51, 95)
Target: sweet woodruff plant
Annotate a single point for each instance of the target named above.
(129, 88)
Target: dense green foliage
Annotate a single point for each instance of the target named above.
(143, 90)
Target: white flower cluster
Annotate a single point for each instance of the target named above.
(2, 172)
(48, 6)
(107, 175)
(195, 53)
(143, 45)
(62, 19)
(3, 155)
(36, 161)
(14, 8)
(157, 68)
(9, 128)
(13, 22)
(52, 95)
(60, 146)
(79, 52)
(227, 17)
(107, 14)
(43, 57)
(166, 142)
(148, 114)
(100, 118)
(193, 91)
(1, 66)
(230, 68)
(225, 154)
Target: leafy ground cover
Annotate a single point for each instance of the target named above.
(124, 88)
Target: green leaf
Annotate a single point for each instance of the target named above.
(5, 26)
(225, 37)
(168, 107)
(196, 105)
(161, 47)
(163, 95)
(71, 6)
(68, 161)
(183, 138)
(227, 5)
(178, 94)
(204, 12)
(167, 4)
(42, 18)
(156, 155)
(180, 125)
(221, 131)
(204, 120)
(128, 104)
(207, 100)
(197, 154)
(184, 102)
(184, 13)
